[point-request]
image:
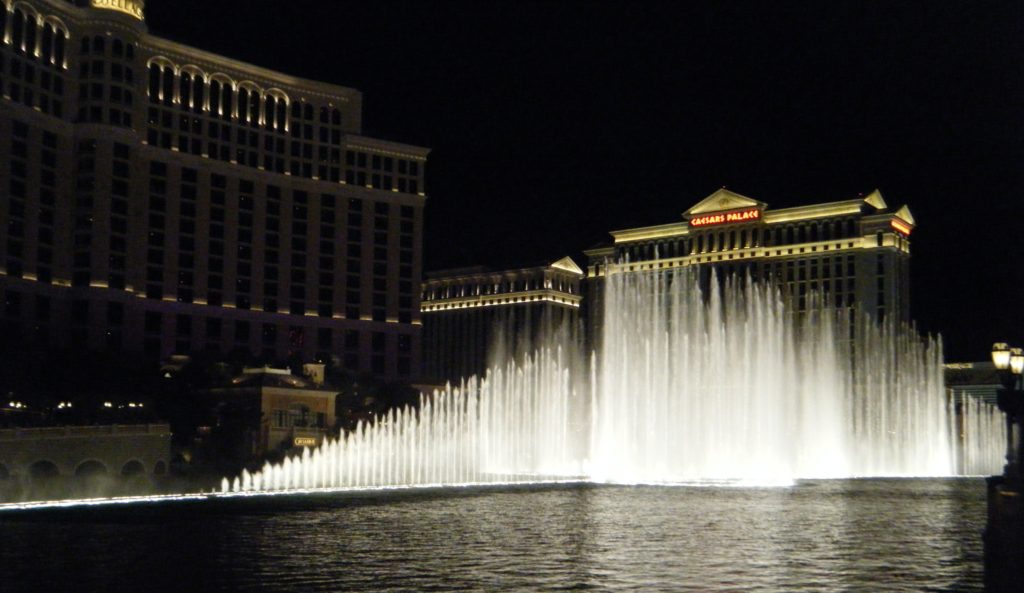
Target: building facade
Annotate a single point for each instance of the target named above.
(158, 198)
(273, 410)
(469, 312)
(855, 253)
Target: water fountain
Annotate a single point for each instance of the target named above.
(981, 431)
(688, 386)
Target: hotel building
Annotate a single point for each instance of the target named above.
(158, 198)
(856, 252)
(466, 311)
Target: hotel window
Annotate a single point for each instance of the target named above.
(296, 340)
(241, 332)
(269, 334)
(323, 339)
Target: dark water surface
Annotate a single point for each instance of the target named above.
(857, 535)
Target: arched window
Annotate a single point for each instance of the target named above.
(30, 35)
(186, 89)
(59, 44)
(307, 112)
(47, 45)
(336, 117)
(216, 92)
(243, 104)
(117, 48)
(254, 108)
(85, 45)
(167, 87)
(154, 82)
(271, 107)
(98, 45)
(18, 30)
(227, 102)
(282, 110)
(296, 110)
(129, 51)
(198, 86)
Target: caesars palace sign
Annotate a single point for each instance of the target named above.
(746, 215)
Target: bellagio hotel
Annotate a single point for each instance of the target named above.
(157, 198)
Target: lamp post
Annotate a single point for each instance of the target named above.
(1004, 529)
(1010, 363)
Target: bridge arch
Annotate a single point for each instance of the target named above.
(133, 467)
(90, 468)
(43, 470)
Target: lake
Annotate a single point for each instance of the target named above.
(843, 535)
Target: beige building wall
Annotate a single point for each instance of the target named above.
(163, 199)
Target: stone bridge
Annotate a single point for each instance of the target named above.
(84, 451)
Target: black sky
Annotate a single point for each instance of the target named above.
(553, 123)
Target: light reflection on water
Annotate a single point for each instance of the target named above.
(892, 535)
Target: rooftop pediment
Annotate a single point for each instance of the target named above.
(905, 215)
(876, 200)
(567, 264)
(722, 200)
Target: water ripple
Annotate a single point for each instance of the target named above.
(896, 535)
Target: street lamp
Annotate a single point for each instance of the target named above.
(1010, 363)
(1001, 355)
(1016, 361)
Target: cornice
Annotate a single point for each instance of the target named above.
(212, 62)
(506, 299)
(387, 147)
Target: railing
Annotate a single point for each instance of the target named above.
(63, 432)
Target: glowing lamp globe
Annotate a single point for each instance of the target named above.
(1017, 361)
(1001, 355)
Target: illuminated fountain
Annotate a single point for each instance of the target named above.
(688, 386)
(982, 432)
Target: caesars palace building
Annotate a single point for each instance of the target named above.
(854, 252)
(161, 199)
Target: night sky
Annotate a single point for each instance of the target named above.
(554, 123)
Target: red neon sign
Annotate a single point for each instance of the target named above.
(747, 215)
(900, 226)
